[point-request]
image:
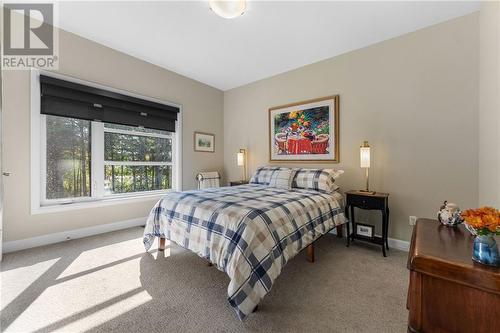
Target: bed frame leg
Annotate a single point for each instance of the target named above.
(339, 231)
(310, 252)
(161, 245)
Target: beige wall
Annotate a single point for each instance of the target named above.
(414, 97)
(489, 104)
(86, 60)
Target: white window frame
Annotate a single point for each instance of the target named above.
(39, 203)
(101, 163)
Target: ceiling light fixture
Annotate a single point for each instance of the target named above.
(228, 8)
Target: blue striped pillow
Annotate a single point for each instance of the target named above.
(322, 180)
(263, 175)
(282, 178)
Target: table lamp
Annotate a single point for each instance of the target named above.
(241, 158)
(364, 161)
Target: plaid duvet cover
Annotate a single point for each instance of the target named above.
(248, 231)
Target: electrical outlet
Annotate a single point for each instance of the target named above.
(413, 220)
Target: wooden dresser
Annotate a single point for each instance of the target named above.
(448, 292)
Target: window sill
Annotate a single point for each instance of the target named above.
(96, 203)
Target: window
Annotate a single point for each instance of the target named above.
(133, 160)
(92, 151)
(136, 160)
(67, 158)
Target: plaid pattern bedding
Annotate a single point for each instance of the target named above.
(282, 178)
(248, 231)
(317, 179)
(263, 175)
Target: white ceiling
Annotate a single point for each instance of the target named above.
(270, 38)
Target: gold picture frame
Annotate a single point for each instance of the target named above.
(312, 138)
(204, 142)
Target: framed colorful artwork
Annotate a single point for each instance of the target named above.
(307, 131)
(204, 142)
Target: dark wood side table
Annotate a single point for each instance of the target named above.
(371, 201)
(449, 292)
(238, 182)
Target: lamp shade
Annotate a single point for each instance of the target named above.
(240, 158)
(228, 8)
(364, 155)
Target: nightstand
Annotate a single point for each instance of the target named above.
(369, 201)
(238, 182)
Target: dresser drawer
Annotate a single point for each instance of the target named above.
(365, 202)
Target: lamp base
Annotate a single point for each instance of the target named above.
(367, 191)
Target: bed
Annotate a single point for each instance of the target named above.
(248, 231)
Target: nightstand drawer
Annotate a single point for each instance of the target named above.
(366, 202)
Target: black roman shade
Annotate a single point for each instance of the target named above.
(69, 99)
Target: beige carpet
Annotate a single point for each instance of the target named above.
(108, 283)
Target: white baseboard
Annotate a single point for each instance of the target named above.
(70, 234)
(27, 243)
(394, 243)
(399, 244)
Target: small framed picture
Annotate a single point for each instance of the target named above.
(204, 142)
(364, 230)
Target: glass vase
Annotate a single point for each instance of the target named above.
(485, 250)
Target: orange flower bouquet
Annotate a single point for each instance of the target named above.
(484, 221)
